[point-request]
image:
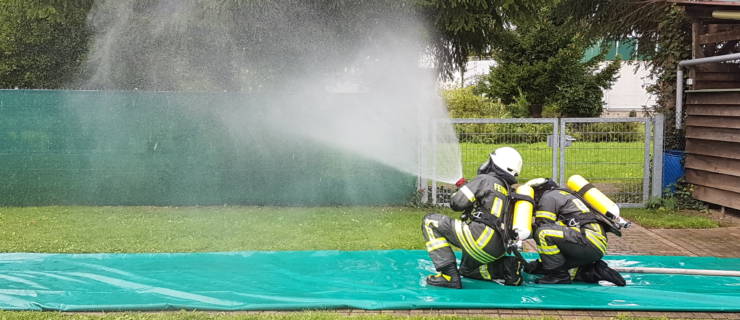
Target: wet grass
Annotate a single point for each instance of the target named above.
(666, 219)
(66, 229)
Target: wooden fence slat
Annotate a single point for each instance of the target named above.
(731, 98)
(714, 180)
(718, 76)
(713, 148)
(714, 134)
(716, 67)
(713, 122)
(721, 197)
(713, 164)
(713, 110)
(716, 84)
(719, 36)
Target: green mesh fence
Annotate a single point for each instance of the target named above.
(153, 148)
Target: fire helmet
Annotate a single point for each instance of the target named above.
(507, 159)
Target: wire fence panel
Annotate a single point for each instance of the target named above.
(613, 154)
(478, 137)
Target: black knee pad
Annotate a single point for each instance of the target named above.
(598, 271)
(509, 269)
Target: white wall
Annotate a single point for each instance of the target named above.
(628, 92)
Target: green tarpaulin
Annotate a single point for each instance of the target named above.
(330, 279)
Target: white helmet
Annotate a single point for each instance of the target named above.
(507, 159)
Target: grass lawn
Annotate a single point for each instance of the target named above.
(66, 229)
(615, 160)
(669, 219)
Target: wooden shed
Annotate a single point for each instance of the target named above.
(712, 103)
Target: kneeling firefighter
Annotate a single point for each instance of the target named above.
(485, 205)
(570, 234)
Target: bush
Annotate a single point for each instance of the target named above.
(463, 103)
(503, 133)
(680, 199)
(608, 131)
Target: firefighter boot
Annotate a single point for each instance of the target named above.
(557, 276)
(447, 277)
(534, 267)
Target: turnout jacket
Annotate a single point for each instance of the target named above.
(560, 205)
(486, 196)
(560, 218)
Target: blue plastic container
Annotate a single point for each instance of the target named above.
(672, 168)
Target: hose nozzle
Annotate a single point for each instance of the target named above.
(461, 182)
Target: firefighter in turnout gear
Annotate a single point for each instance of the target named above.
(483, 201)
(571, 237)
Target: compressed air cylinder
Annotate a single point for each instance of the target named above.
(522, 222)
(594, 197)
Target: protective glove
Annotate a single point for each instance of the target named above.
(535, 182)
(461, 182)
(623, 224)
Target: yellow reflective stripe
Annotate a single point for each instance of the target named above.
(442, 275)
(484, 272)
(500, 189)
(427, 227)
(598, 240)
(546, 215)
(497, 206)
(463, 241)
(485, 237)
(486, 257)
(549, 233)
(599, 245)
(597, 228)
(437, 243)
(573, 272)
(468, 193)
(580, 205)
(549, 250)
(468, 243)
(546, 248)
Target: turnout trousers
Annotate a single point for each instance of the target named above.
(482, 248)
(566, 247)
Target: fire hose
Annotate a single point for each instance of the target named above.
(698, 272)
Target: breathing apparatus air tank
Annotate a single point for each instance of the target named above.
(523, 207)
(596, 199)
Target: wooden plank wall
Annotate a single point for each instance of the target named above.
(713, 135)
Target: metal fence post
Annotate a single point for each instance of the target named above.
(434, 163)
(561, 148)
(555, 147)
(646, 168)
(658, 128)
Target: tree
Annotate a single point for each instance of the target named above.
(540, 69)
(461, 28)
(663, 34)
(42, 42)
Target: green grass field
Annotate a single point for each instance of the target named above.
(666, 219)
(68, 229)
(65, 229)
(616, 160)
